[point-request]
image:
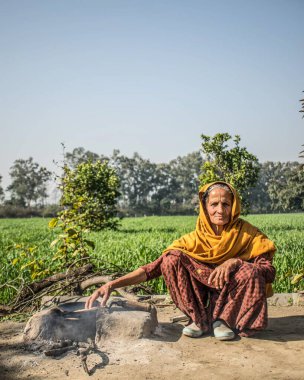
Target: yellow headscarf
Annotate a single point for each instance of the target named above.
(239, 238)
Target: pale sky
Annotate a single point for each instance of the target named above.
(149, 77)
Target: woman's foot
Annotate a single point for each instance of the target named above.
(192, 331)
(222, 331)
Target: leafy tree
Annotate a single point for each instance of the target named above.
(29, 182)
(235, 165)
(89, 194)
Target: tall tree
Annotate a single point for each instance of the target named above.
(137, 179)
(235, 165)
(296, 183)
(259, 199)
(302, 104)
(301, 155)
(29, 183)
(1, 191)
(165, 196)
(286, 186)
(187, 170)
(80, 155)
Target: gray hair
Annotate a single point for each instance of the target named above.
(215, 186)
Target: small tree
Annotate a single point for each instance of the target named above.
(235, 165)
(89, 195)
(88, 200)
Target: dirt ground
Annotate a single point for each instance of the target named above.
(275, 353)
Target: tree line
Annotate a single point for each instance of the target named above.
(147, 188)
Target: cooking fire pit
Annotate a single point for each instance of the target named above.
(65, 318)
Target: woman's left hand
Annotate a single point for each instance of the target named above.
(220, 276)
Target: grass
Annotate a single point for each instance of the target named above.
(139, 241)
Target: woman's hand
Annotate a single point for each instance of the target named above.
(133, 278)
(104, 292)
(220, 276)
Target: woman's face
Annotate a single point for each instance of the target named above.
(219, 206)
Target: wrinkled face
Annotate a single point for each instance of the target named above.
(219, 206)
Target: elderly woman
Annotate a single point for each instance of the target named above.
(218, 275)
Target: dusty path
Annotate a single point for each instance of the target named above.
(276, 353)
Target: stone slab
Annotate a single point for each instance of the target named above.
(66, 318)
(287, 299)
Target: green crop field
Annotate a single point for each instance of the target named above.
(138, 241)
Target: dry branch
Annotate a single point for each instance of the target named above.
(94, 281)
(29, 295)
(72, 282)
(36, 287)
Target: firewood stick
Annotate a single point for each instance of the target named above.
(179, 318)
(58, 351)
(84, 364)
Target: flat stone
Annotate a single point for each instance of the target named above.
(300, 299)
(283, 299)
(119, 324)
(57, 324)
(69, 320)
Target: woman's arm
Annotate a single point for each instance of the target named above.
(133, 278)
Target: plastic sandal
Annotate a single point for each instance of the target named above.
(222, 331)
(193, 331)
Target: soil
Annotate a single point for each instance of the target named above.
(275, 353)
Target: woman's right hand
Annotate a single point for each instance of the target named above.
(104, 292)
(133, 278)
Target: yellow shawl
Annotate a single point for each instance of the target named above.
(238, 239)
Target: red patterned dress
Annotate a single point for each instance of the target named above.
(241, 303)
